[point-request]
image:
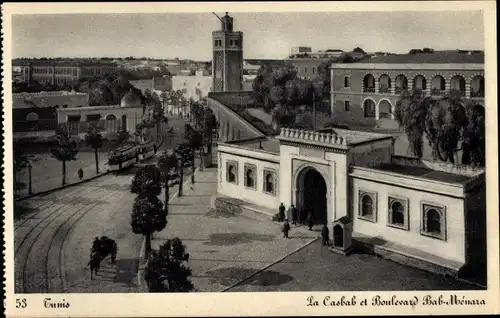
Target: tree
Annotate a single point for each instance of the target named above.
(168, 166)
(209, 125)
(184, 156)
(64, 150)
(148, 215)
(447, 122)
(167, 269)
(358, 50)
(411, 112)
(93, 138)
(21, 160)
(194, 140)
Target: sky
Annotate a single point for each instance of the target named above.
(265, 35)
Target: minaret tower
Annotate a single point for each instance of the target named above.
(227, 62)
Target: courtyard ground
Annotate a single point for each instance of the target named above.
(235, 253)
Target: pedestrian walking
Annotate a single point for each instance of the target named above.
(286, 228)
(310, 220)
(80, 173)
(325, 235)
(281, 212)
(294, 214)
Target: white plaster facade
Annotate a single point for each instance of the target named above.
(353, 164)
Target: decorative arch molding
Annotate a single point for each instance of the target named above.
(474, 75)
(422, 75)
(452, 75)
(374, 103)
(377, 108)
(368, 98)
(110, 114)
(299, 168)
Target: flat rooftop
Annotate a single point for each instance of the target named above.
(355, 137)
(424, 173)
(269, 145)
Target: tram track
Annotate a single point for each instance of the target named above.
(60, 256)
(23, 252)
(63, 231)
(43, 205)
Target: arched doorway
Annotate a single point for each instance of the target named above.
(312, 192)
(384, 109)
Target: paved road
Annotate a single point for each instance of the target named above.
(54, 236)
(316, 268)
(224, 249)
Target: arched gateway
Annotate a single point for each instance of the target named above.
(312, 194)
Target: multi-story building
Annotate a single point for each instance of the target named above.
(307, 67)
(227, 64)
(61, 71)
(366, 92)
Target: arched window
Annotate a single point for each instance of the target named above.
(398, 213)
(250, 177)
(369, 84)
(419, 82)
(369, 108)
(434, 221)
(32, 116)
(401, 83)
(269, 182)
(384, 84)
(232, 172)
(367, 208)
(110, 117)
(457, 83)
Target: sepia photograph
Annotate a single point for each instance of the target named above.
(173, 151)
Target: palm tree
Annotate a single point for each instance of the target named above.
(148, 215)
(64, 150)
(93, 138)
(168, 165)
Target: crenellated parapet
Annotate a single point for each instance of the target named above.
(313, 137)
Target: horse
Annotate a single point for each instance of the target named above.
(108, 247)
(100, 250)
(95, 263)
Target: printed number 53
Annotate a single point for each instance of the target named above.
(21, 303)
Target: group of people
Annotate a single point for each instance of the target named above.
(298, 218)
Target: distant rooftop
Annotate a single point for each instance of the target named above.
(264, 61)
(437, 57)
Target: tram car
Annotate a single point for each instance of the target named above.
(122, 157)
(146, 150)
